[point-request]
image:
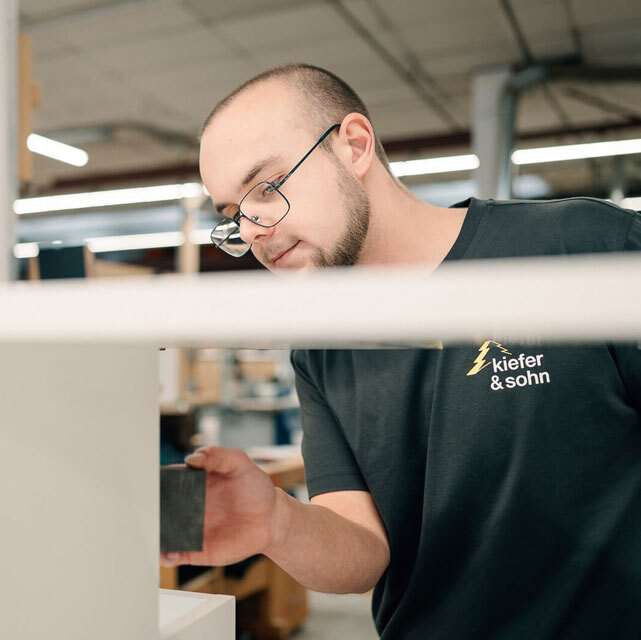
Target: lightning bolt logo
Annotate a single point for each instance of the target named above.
(484, 349)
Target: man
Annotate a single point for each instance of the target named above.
(489, 491)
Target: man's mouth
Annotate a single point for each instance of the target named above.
(282, 254)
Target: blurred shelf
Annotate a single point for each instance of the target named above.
(255, 404)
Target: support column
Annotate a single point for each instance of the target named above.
(493, 131)
(618, 185)
(188, 254)
(8, 136)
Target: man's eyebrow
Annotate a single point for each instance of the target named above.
(259, 166)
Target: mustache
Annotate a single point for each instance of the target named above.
(270, 253)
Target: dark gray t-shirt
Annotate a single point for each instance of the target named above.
(508, 476)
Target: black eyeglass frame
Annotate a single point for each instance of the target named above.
(276, 186)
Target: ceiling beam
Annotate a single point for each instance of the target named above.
(413, 79)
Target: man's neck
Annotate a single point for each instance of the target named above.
(406, 230)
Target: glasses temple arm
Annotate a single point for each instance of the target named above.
(282, 182)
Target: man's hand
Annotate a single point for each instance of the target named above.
(240, 501)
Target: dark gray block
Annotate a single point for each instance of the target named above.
(182, 508)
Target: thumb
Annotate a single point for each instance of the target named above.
(173, 558)
(218, 459)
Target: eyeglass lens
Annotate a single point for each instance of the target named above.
(264, 205)
(226, 236)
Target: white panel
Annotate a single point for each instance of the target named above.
(196, 616)
(79, 492)
(536, 298)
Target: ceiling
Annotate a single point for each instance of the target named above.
(131, 80)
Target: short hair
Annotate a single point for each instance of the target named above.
(322, 93)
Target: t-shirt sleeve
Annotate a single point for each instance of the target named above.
(628, 357)
(329, 461)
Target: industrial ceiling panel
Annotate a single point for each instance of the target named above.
(403, 120)
(448, 65)
(282, 28)
(581, 103)
(597, 15)
(348, 52)
(622, 43)
(126, 22)
(546, 29)
(64, 70)
(409, 13)
(175, 83)
(542, 16)
(166, 62)
(226, 9)
(478, 25)
(627, 94)
(535, 112)
(46, 9)
(174, 50)
(388, 95)
(49, 43)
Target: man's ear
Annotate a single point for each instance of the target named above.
(357, 134)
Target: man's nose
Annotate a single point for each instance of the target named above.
(251, 233)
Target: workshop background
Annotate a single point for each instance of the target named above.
(465, 82)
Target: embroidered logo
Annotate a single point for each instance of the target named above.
(529, 365)
(481, 362)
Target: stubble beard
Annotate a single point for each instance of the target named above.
(356, 207)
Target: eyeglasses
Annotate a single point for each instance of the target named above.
(264, 204)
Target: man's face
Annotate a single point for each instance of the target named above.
(261, 136)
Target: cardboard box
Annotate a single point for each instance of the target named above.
(206, 377)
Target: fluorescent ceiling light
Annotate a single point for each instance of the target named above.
(631, 203)
(468, 162)
(57, 150)
(201, 236)
(425, 166)
(134, 195)
(137, 241)
(577, 151)
(26, 250)
(124, 243)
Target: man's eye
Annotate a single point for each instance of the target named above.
(268, 190)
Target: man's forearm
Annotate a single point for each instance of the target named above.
(323, 550)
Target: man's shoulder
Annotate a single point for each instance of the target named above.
(602, 210)
(577, 224)
(309, 362)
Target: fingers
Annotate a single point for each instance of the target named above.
(218, 459)
(172, 558)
